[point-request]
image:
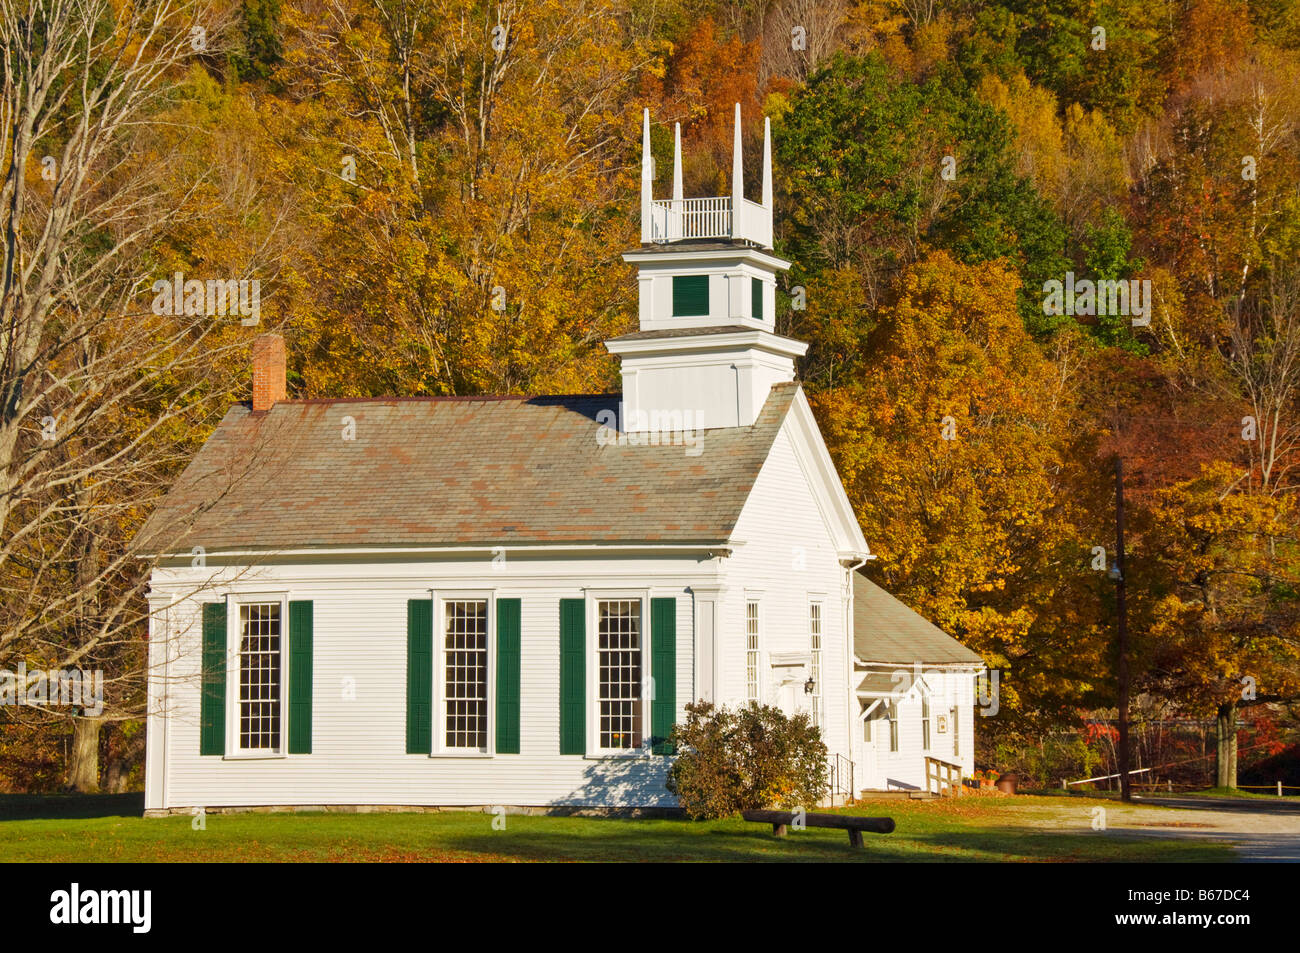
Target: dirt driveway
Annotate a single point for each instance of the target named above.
(1260, 830)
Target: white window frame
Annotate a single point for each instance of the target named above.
(927, 716)
(592, 650)
(954, 716)
(891, 712)
(755, 599)
(439, 748)
(816, 658)
(234, 644)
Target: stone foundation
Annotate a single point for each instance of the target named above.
(510, 809)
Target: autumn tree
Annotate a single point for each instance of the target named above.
(101, 395)
(1224, 616)
(950, 432)
(463, 190)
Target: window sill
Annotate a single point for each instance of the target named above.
(645, 755)
(487, 755)
(255, 756)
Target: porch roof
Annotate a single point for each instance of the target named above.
(885, 631)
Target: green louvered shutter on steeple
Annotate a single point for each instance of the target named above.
(756, 287)
(690, 296)
(573, 676)
(300, 666)
(663, 669)
(212, 701)
(507, 676)
(419, 676)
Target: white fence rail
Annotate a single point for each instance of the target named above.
(674, 220)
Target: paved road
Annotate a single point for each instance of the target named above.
(1263, 831)
(1247, 805)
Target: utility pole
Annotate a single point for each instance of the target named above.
(1121, 665)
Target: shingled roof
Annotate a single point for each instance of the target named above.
(452, 472)
(886, 631)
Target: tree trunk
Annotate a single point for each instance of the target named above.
(115, 776)
(83, 763)
(1226, 751)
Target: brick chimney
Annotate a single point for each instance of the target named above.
(268, 371)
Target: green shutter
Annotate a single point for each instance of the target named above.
(507, 676)
(690, 295)
(419, 676)
(757, 294)
(212, 701)
(663, 669)
(573, 676)
(300, 664)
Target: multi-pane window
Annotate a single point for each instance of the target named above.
(891, 716)
(619, 663)
(465, 669)
(952, 726)
(925, 721)
(751, 651)
(815, 663)
(259, 676)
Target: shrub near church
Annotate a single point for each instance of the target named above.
(748, 758)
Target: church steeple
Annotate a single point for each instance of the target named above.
(732, 217)
(707, 286)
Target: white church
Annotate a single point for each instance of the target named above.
(416, 602)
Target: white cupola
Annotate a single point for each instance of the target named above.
(707, 282)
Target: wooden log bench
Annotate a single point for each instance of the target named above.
(781, 821)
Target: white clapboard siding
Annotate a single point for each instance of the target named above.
(358, 754)
(786, 557)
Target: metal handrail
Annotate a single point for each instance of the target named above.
(839, 767)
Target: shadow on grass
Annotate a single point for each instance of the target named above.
(824, 846)
(53, 807)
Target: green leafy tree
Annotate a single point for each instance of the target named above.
(877, 170)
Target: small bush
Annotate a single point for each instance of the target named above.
(749, 758)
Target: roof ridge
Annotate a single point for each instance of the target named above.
(422, 398)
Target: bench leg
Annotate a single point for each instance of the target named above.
(779, 830)
(855, 838)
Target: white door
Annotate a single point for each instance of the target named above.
(787, 699)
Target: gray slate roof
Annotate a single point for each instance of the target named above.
(453, 472)
(886, 631)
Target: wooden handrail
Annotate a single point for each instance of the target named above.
(942, 774)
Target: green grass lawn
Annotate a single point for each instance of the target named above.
(971, 829)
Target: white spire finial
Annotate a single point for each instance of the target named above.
(737, 174)
(675, 217)
(677, 163)
(767, 163)
(767, 177)
(647, 178)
